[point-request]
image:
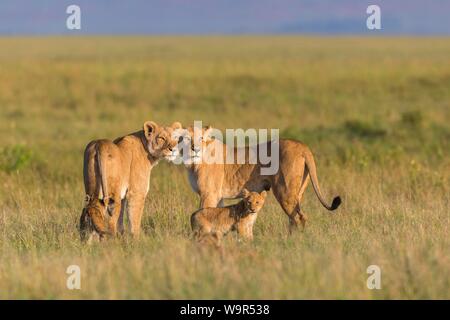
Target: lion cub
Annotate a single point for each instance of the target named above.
(213, 223)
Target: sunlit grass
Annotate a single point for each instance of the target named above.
(374, 111)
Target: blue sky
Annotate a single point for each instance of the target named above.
(42, 17)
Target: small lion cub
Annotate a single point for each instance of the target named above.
(211, 224)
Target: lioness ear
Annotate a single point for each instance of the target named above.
(207, 132)
(264, 193)
(245, 193)
(149, 129)
(176, 125)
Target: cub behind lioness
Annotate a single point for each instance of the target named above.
(213, 223)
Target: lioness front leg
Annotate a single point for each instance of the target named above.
(114, 211)
(135, 209)
(123, 208)
(210, 201)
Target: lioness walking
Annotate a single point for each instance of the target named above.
(214, 223)
(215, 182)
(117, 176)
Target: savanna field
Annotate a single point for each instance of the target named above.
(375, 112)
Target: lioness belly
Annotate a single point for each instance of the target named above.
(234, 190)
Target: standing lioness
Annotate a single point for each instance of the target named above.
(116, 176)
(217, 181)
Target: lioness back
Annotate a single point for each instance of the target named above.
(104, 166)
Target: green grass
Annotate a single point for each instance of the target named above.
(375, 111)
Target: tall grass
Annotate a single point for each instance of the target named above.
(375, 112)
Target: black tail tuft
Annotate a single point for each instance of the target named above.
(336, 203)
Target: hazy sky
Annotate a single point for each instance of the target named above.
(224, 16)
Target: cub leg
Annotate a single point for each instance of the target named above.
(250, 225)
(204, 235)
(250, 231)
(244, 230)
(85, 225)
(217, 239)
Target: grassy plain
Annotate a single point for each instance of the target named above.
(375, 111)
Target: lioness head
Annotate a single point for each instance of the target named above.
(197, 143)
(162, 141)
(254, 201)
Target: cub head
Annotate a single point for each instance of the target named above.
(94, 222)
(162, 141)
(254, 201)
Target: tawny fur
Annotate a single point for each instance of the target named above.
(215, 182)
(211, 224)
(116, 178)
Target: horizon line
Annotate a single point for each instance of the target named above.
(231, 34)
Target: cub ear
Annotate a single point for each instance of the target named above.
(245, 193)
(264, 193)
(149, 129)
(176, 125)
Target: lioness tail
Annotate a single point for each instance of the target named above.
(102, 173)
(311, 165)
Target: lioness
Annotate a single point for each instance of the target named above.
(116, 177)
(217, 181)
(215, 223)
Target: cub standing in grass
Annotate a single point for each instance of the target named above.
(213, 223)
(117, 177)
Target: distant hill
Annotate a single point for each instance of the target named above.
(224, 16)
